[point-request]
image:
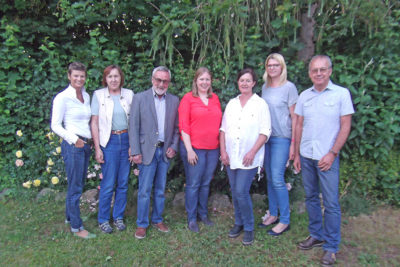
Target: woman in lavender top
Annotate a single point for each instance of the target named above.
(281, 96)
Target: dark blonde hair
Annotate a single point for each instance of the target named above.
(200, 71)
(283, 76)
(107, 71)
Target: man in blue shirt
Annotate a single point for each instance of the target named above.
(324, 121)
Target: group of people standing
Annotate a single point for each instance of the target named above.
(149, 127)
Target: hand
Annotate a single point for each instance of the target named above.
(224, 158)
(80, 143)
(296, 163)
(291, 151)
(99, 156)
(137, 159)
(326, 162)
(192, 157)
(170, 153)
(248, 158)
(130, 156)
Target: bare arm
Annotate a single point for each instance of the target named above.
(326, 161)
(222, 146)
(294, 120)
(298, 132)
(191, 155)
(249, 157)
(94, 127)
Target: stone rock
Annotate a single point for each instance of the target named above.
(169, 196)
(219, 201)
(5, 192)
(300, 206)
(46, 192)
(258, 199)
(90, 196)
(179, 200)
(60, 196)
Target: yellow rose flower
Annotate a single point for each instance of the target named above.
(54, 180)
(50, 162)
(18, 154)
(27, 184)
(50, 135)
(48, 169)
(58, 150)
(36, 182)
(19, 133)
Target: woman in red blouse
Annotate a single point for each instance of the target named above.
(199, 121)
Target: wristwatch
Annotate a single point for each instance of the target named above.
(333, 152)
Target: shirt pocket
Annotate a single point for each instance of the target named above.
(331, 107)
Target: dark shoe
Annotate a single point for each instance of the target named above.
(119, 224)
(161, 227)
(235, 231)
(193, 226)
(328, 259)
(206, 221)
(105, 227)
(273, 233)
(262, 225)
(248, 238)
(309, 243)
(140, 233)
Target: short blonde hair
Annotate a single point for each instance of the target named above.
(283, 76)
(200, 71)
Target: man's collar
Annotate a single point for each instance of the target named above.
(330, 86)
(156, 95)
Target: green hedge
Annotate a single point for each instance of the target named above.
(40, 38)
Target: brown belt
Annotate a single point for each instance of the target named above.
(119, 131)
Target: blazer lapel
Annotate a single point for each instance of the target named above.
(152, 106)
(167, 112)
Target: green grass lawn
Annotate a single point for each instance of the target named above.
(33, 233)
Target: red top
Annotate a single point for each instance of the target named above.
(201, 122)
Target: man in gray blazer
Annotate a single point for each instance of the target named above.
(153, 138)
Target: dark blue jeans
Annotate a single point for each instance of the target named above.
(240, 181)
(198, 178)
(314, 179)
(115, 171)
(76, 161)
(276, 156)
(153, 173)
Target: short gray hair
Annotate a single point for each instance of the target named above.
(161, 68)
(327, 58)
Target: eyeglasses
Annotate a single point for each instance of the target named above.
(273, 66)
(321, 70)
(158, 81)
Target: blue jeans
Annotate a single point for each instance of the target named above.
(328, 181)
(198, 178)
(276, 156)
(76, 161)
(153, 173)
(115, 171)
(240, 181)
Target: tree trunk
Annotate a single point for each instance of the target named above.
(307, 34)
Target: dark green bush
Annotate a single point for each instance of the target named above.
(40, 38)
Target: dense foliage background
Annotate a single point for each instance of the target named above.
(39, 39)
